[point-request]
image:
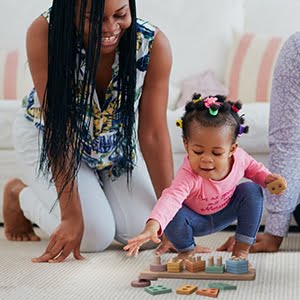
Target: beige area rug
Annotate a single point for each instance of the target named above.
(108, 275)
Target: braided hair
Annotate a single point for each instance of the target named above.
(69, 100)
(218, 113)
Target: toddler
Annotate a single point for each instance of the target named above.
(206, 196)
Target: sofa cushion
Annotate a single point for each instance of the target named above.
(200, 35)
(8, 111)
(204, 83)
(15, 78)
(250, 66)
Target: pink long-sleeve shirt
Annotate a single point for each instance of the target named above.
(205, 196)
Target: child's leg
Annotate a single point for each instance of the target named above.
(246, 206)
(185, 225)
(249, 212)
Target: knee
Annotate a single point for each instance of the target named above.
(97, 237)
(252, 192)
(250, 188)
(13, 187)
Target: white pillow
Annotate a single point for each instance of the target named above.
(250, 66)
(174, 93)
(200, 31)
(257, 118)
(8, 110)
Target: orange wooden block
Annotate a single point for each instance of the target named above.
(208, 292)
(186, 289)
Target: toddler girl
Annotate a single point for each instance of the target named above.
(206, 196)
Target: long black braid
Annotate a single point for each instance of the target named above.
(127, 84)
(68, 99)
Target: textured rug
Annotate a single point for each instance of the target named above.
(108, 275)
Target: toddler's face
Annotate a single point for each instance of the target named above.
(210, 150)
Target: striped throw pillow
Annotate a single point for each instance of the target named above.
(15, 78)
(250, 67)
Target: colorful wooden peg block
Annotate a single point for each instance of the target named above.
(208, 292)
(157, 289)
(186, 289)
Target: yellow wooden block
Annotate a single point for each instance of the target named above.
(276, 187)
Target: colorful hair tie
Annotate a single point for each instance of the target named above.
(197, 99)
(212, 101)
(179, 123)
(241, 129)
(234, 108)
(213, 112)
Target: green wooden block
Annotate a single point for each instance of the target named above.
(215, 269)
(221, 286)
(157, 289)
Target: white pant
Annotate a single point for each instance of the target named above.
(113, 212)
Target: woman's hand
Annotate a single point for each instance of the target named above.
(64, 240)
(149, 233)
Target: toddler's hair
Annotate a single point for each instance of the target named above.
(213, 111)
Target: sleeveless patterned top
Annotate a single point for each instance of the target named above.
(100, 148)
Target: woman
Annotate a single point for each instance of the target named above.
(284, 141)
(94, 66)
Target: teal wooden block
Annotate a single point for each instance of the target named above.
(215, 269)
(157, 289)
(221, 286)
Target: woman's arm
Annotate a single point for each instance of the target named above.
(153, 132)
(68, 235)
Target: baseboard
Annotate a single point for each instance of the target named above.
(293, 228)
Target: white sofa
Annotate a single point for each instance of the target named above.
(201, 33)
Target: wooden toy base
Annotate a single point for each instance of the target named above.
(147, 274)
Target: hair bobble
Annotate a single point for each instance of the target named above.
(212, 105)
(236, 107)
(179, 123)
(199, 98)
(243, 129)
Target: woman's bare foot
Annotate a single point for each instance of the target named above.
(16, 226)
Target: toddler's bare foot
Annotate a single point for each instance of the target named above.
(16, 226)
(241, 249)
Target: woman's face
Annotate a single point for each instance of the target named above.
(116, 19)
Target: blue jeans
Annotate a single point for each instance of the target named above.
(245, 206)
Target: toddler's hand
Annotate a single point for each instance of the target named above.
(276, 184)
(149, 233)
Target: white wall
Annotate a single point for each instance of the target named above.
(276, 17)
(15, 17)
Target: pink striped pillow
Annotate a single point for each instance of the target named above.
(250, 67)
(15, 79)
